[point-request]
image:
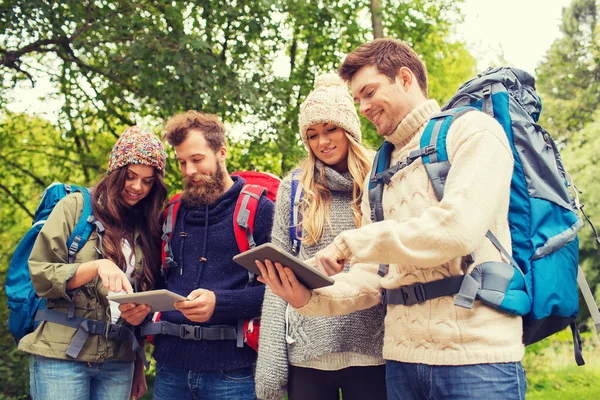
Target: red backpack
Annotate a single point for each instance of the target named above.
(257, 184)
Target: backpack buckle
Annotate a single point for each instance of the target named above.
(406, 295)
(428, 150)
(413, 294)
(190, 332)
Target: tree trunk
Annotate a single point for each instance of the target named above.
(376, 18)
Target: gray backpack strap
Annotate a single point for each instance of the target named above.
(437, 169)
(86, 327)
(487, 106)
(189, 332)
(166, 239)
(589, 298)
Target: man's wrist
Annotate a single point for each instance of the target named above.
(344, 251)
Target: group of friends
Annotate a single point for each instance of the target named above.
(314, 344)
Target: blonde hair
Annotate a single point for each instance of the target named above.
(317, 197)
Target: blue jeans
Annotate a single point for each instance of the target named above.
(501, 381)
(54, 379)
(183, 384)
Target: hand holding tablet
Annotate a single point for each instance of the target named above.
(158, 300)
(310, 277)
(287, 276)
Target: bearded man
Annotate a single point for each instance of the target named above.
(217, 289)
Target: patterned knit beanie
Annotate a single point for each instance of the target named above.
(330, 102)
(137, 146)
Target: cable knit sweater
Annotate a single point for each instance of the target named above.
(424, 240)
(326, 343)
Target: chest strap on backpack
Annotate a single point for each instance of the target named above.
(421, 292)
(189, 332)
(85, 327)
(381, 175)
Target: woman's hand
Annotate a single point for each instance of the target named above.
(283, 283)
(133, 313)
(113, 278)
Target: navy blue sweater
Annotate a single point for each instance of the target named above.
(210, 236)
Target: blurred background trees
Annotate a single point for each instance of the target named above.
(111, 64)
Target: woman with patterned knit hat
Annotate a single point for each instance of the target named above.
(125, 257)
(316, 357)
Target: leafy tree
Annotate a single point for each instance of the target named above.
(569, 78)
(581, 158)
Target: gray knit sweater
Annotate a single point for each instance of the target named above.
(319, 342)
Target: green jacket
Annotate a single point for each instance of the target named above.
(50, 272)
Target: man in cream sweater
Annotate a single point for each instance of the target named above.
(434, 349)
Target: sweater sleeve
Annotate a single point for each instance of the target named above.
(272, 364)
(359, 289)
(48, 262)
(478, 184)
(246, 303)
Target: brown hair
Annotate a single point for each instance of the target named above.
(178, 126)
(388, 55)
(121, 221)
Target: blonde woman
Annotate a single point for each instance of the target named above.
(317, 357)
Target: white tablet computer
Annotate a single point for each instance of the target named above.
(310, 277)
(159, 300)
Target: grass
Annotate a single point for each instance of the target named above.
(553, 374)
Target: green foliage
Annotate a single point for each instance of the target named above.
(569, 79)
(250, 62)
(553, 374)
(581, 159)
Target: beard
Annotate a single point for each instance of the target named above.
(202, 190)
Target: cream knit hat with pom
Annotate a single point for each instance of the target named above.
(330, 102)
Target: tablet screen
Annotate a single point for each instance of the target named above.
(308, 276)
(158, 300)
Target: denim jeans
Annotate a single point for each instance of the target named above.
(501, 381)
(54, 379)
(183, 384)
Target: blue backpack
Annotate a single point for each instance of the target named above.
(540, 283)
(295, 215)
(23, 302)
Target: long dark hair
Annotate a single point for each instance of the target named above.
(121, 221)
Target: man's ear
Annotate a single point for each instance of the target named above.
(406, 77)
(222, 154)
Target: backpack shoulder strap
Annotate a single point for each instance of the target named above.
(244, 214)
(169, 220)
(437, 166)
(295, 214)
(243, 229)
(381, 163)
(85, 225)
(434, 137)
